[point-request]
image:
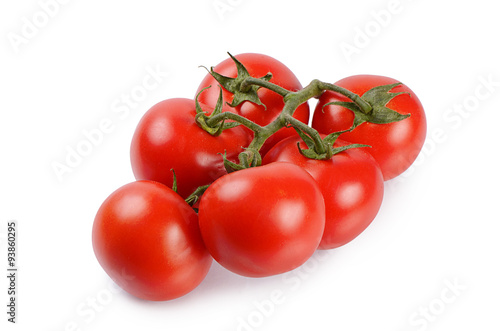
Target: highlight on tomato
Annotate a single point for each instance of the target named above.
(351, 183)
(147, 239)
(263, 221)
(168, 137)
(395, 146)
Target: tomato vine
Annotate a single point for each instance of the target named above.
(371, 107)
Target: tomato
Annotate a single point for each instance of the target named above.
(396, 145)
(262, 221)
(167, 137)
(148, 241)
(351, 183)
(258, 65)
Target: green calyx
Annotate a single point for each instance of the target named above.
(196, 195)
(241, 91)
(248, 159)
(202, 118)
(378, 97)
(370, 107)
(327, 150)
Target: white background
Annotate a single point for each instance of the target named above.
(428, 262)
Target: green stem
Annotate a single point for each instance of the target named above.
(320, 146)
(365, 106)
(213, 121)
(195, 196)
(249, 81)
(292, 101)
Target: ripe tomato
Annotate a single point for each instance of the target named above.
(147, 239)
(262, 221)
(167, 137)
(351, 183)
(396, 145)
(258, 65)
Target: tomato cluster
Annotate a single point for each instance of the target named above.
(236, 174)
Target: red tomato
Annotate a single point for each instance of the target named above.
(148, 241)
(351, 183)
(395, 146)
(167, 137)
(262, 221)
(258, 65)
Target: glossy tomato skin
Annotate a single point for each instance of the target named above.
(262, 221)
(258, 65)
(351, 183)
(167, 137)
(147, 239)
(395, 146)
